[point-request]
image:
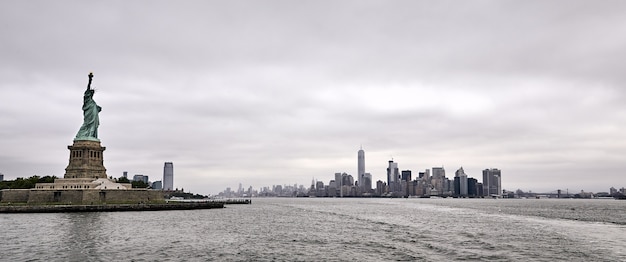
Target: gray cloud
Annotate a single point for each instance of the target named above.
(277, 92)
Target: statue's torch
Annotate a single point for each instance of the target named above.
(90, 77)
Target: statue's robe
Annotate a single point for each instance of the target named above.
(89, 129)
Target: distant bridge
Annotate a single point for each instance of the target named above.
(554, 194)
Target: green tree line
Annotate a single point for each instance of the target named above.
(135, 184)
(26, 183)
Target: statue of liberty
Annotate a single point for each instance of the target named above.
(89, 129)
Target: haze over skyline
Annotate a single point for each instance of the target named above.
(279, 92)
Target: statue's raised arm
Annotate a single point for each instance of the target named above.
(90, 78)
(91, 121)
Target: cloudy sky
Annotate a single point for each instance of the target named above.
(281, 92)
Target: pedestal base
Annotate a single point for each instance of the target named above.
(86, 160)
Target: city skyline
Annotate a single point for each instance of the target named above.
(276, 92)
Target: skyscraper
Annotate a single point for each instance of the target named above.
(168, 176)
(492, 184)
(393, 177)
(438, 179)
(361, 167)
(460, 187)
(367, 183)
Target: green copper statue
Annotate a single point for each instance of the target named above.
(89, 129)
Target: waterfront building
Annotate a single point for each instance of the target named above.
(448, 187)
(438, 180)
(393, 177)
(1, 177)
(460, 187)
(367, 183)
(332, 188)
(168, 176)
(320, 189)
(472, 189)
(360, 167)
(405, 179)
(492, 184)
(347, 180)
(125, 174)
(406, 175)
(380, 188)
(157, 185)
(319, 185)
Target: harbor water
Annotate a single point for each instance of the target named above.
(330, 229)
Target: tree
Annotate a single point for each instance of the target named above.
(26, 183)
(139, 184)
(123, 180)
(47, 179)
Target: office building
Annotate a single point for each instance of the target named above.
(140, 177)
(367, 183)
(347, 180)
(472, 187)
(492, 184)
(380, 188)
(406, 175)
(361, 167)
(393, 177)
(338, 180)
(438, 180)
(168, 176)
(460, 187)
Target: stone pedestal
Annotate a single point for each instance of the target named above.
(86, 160)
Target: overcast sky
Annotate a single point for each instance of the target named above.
(281, 92)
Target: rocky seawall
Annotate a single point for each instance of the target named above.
(108, 207)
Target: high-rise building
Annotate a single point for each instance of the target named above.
(168, 176)
(393, 177)
(347, 180)
(361, 167)
(125, 174)
(461, 190)
(405, 179)
(492, 184)
(338, 183)
(1, 177)
(472, 187)
(438, 180)
(406, 175)
(479, 189)
(338, 180)
(140, 177)
(380, 188)
(367, 183)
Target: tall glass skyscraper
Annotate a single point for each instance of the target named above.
(361, 167)
(393, 177)
(168, 176)
(492, 182)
